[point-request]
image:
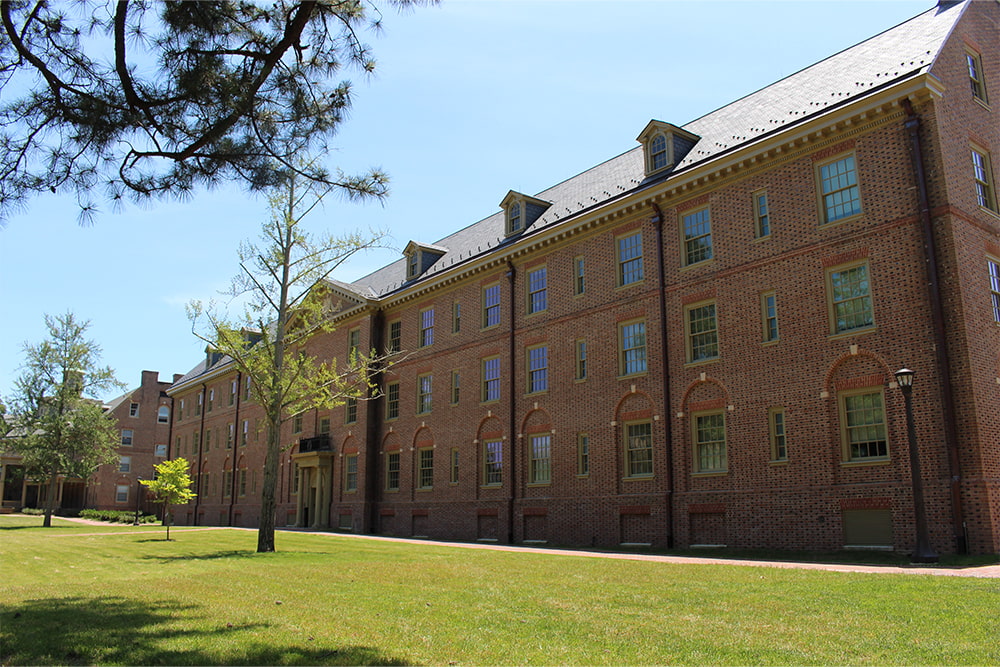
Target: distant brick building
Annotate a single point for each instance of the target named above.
(143, 416)
(144, 419)
(692, 343)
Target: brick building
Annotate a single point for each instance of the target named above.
(692, 343)
(143, 418)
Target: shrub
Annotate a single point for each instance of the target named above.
(116, 516)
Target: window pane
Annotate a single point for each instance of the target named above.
(697, 236)
(639, 450)
(630, 259)
(840, 189)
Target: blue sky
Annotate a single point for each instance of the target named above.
(472, 98)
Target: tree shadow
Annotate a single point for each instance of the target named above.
(214, 555)
(117, 630)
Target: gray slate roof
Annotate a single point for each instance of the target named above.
(892, 56)
(889, 57)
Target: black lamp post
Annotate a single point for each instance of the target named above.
(922, 553)
(138, 491)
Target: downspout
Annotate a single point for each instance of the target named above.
(912, 124)
(667, 421)
(236, 446)
(373, 425)
(512, 414)
(201, 432)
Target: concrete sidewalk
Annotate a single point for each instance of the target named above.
(982, 571)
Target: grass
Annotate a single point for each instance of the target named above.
(77, 594)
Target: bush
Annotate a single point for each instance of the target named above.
(116, 516)
(32, 511)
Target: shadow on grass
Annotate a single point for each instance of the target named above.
(214, 555)
(115, 630)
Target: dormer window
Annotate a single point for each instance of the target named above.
(664, 145)
(658, 158)
(514, 218)
(520, 211)
(420, 257)
(413, 265)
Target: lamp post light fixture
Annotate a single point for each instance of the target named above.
(138, 491)
(922, 553)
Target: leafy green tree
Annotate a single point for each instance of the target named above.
(284, 284)
(144, 98)
(66, 431)
(172, 486)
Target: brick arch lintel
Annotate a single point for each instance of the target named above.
(626, 396)
(524, 422)
(856, 353)
(685, 400)
(423, 433)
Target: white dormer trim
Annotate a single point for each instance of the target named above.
(520, 210)
(657, 141)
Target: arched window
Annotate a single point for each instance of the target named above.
(658, 152)
(514, 217)
(163, 415)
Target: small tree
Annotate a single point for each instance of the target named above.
(172, 486)
(65, 432)
(285, 279)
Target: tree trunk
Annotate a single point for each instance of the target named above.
(167, 516)
(268, 503)
(51, 500)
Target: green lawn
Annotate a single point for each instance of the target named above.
(77, 594)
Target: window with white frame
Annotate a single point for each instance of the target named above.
(160, 451)
(125, 464)
(163, 415)
(127, 435)
(121, 493)
(581, 359)
(133, 409)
